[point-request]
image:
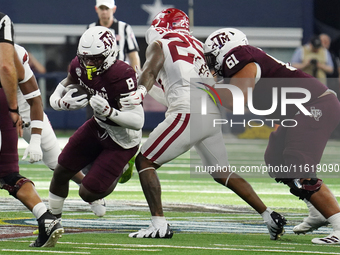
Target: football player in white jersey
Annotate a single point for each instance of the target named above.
(174, 58)
(37, 131)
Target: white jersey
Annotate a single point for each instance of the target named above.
(23, 56)
(183, 66)
(49, 143)
(185, 126)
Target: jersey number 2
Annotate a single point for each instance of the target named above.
(186, 41)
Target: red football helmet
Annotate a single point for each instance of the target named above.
(173, 19)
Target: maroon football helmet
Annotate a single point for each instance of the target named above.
(173, 19)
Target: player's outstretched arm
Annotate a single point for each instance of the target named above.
(32, 95)
(153, 64)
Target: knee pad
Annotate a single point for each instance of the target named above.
(303, 190)
(13, 182)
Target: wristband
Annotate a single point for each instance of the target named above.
(14, 110)
(37, 124)
(33, 94)
(35, 139)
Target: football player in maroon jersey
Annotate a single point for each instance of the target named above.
(304, 101)
(111, 137)
(20, 187)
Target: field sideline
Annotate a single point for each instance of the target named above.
(206, 217)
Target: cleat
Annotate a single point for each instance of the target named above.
(36, 232)
(309, 225)
(276, 225)
(333, 238)
(128, 172)
(314, 221)
(98, 207)
(152, 232)
(50, 230)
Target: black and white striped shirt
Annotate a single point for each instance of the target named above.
(125, 37)
(6, 29)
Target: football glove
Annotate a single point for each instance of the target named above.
(34, 149)
(138, 72)
(67, 102)
(101, 106)
(135, 97)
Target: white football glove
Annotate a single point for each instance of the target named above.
(101, 106)
(135, 97)
(67, 102)
(34, 149)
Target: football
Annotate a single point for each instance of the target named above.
(81, 91)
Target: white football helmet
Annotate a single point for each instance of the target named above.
(97, 50)
(219, 43)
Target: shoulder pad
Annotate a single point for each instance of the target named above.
(155, 33)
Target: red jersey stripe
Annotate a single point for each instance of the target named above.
(163, 135)
(173, 138)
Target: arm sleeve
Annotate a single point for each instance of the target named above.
(24, 58)
(158, 94)
(129, 118)
(55, 97)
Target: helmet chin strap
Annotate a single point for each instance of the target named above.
(90, 70)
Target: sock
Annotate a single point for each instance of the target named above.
(158, 221)
(266, 215)
(56, 203)
(226, 182)
(39, 209)
(334, 220)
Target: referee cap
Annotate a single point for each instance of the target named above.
(108, 3)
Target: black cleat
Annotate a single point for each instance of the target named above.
(50, 230)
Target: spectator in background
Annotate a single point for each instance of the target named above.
(35, 65)
(314, 59)
(333, 79)
(126, 40)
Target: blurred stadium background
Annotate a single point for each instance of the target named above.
(50, 31)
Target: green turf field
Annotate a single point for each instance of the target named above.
(206, 217)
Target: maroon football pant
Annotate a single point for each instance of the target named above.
(300, 148)
(91, 145)
(8, 140)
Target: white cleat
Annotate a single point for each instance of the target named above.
(333, 238)
(314, 221)
(152, 232)
(98, 207)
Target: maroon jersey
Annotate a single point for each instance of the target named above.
(274, 74)
(116, 82)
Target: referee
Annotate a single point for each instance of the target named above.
(126, 40)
